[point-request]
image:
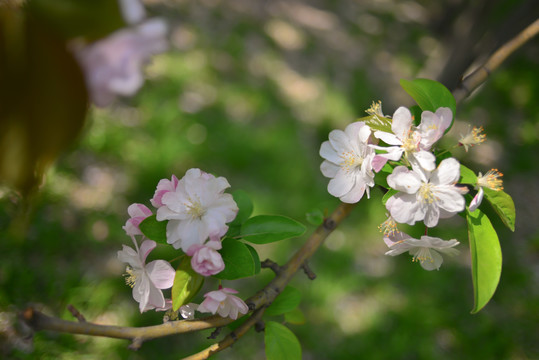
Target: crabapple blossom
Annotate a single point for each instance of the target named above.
(205, 259)
(112, 65)
(414, 143)
(348, 162)
(222, 302)
(492, 180)
(425, 250)
(138, 213)
(197, 209)
(425, 195)
(147, 280)
(164, 186)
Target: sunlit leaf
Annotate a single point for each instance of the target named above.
(503, 205)
(264, 229)
(467, 176)
(430, 95)
(486, 257)
(281, 343)
(295, 316)
(187, 284)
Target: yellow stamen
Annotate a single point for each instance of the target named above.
(475, 137)
(195, 209)
(422, 255)
(411, 143)
(388, 227)
(492, 180)
(351, 161)
(426, 193)
(130, 277)
(375, 109)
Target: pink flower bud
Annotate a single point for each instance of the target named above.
(205, 259)
(138, 213)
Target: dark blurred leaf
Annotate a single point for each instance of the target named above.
(256, 258)
(295, 317)
(486, 258)
(90, 19)
(43, 99)
(245, 206)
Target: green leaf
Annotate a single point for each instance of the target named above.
(503, 205)
(287, 301)
(154, 230)
(467, 176)
(265, 229)
(388, 194)
(295, 317)
(245, 206)
(430, 95)
(381, 177)
(238, 259)
(416, 114)
(256, 258)
(315, 217)
(486, 257)
(187, 284)
(377, 123)
(281, 343)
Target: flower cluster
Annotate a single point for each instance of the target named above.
(197, 210)
(421, 190)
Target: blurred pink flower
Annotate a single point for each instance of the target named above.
(205, 259)
(138, 213)
(221, 302)
(113, 65)
(147, 280)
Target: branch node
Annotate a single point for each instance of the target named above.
(215, 333)
(307, 270)
(76, 314)
(271, 265)
(251, 306)
(260, 326)
(136, 343)
(330, 224)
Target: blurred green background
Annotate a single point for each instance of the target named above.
(249, 91)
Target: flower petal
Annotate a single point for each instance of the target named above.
(448, 172)
(402, 122)
(478, 198)
(161, 274)
(402, 179)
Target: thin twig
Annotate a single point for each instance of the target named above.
(480, 75)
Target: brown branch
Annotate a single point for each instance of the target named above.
(480, 75)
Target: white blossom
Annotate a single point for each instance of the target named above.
(426, 250)
(491, 180)
(348, 162)
(425, 195)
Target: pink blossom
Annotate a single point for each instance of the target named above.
(138, 213)
(221, 302)
(113, 65)
(164, 186)
(205, 259)
(147, 280)
(197, 210)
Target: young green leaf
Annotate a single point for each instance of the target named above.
(467, 176)
(388, 194)
(287, 301)
(281, 343)
(265, 229)
(238, 259)
(154, 230)
(187, 284)
(295, 316)
(245, 206)
(503, 205)
(430, 95)
(256, 258)
(486, 257)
